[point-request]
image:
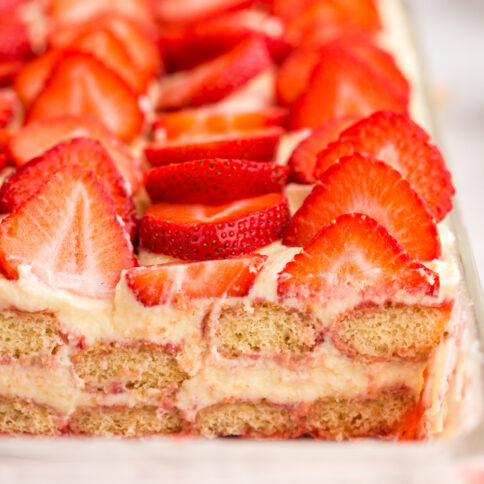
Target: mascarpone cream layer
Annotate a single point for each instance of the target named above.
(339, 376)
(57, 386)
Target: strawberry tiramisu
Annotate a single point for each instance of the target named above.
(219, 220)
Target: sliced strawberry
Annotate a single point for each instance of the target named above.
(35, 138)
(89, 154)
(72, 11)
(363, 13)
(382, 62)
(33, 75)
(209, 121)
(342, 85)
(180, 281)
(197, 232)
(138, 40)
(185, 46)
(214, 181)
(190, 11)
(81, 85)
(294, 74)
(104, 45)
(363, 184)
(314, 17)
(9, 106)
(69, 235)
(397, 140)
(216, 79)
(252, 145)
(4, 154)
(355, 258)
(14, 39)
(303, 159)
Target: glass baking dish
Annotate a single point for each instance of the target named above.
(450, 459)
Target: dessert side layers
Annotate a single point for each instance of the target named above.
(321, 321)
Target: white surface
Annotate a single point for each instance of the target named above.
(451, 35)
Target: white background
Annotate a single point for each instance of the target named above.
(451, 34)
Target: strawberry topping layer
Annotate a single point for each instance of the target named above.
(33, 139)
(214, 80)
(89, 154)
(363, 184)
(197, 232)
(397, 140)
(80, 84)
(257, 145)
(212, 181)
(355, 256)
(69, 234)
(177, 282)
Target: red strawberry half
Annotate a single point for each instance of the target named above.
(35, 138)
(179, 281)
(397, 140)
(303, 159)
(197, 232)
(81, 85)
(355, 256)
(365, 185)
(257, 145)
(214, 181)
(216, 79)
(70, 236)
(343, 85)
(210, 122)
(89, 154)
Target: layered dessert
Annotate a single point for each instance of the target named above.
(220, 219)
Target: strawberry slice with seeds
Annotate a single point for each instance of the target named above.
(355, 257)
(81, 85)
(252, 145)
(69, 235)
(33, 139)
(214, 181)
(202, 231)
(365, 185)
(343, 85)
(216, 79)
(209, 121)
(303, 159)
(180, 281)
(89, 154)
(397, 140)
